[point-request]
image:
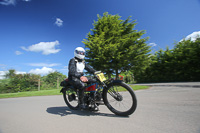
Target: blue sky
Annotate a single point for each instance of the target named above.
(39, 36)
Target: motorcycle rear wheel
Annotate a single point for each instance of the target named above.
(120, 99)
(71, 98)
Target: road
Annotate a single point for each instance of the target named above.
(161, 109)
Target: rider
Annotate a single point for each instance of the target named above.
(76, 75)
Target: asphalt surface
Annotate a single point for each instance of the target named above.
(161, 109)
(174, 84)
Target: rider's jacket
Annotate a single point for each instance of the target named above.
(76, 67)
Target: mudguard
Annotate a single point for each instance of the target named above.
(116, 81)
(111, 82)
(62, 90)
(64, 83)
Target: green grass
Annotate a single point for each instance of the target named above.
(138, 87)
(134, 87)
(31, 93)
(51, 92)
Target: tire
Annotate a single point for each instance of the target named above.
(122, 95)
(71, 98)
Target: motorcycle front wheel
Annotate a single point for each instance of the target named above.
(71, 98)
(120, 99)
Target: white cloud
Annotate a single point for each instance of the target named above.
(45, 47)
(44, 64)
(18, 53)
(59, 22)
(18, 72)
(42, 71)
(192, 36)
(8, 2)
(2, 74)
(152, 44)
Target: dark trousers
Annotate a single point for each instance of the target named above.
(80, 87)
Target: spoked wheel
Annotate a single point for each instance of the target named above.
(71, 98)
(120, 99)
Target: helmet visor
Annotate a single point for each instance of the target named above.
(80, 52)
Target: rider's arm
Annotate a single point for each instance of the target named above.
(89, 69)
(72, 69)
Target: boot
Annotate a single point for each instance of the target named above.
(94, 107)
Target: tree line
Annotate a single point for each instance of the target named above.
(29, 82)
(178, 64)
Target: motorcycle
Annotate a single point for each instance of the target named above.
(118, 96)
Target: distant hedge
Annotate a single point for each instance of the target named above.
(182, 63)
(29, 82)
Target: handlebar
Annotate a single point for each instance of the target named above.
(97, 72)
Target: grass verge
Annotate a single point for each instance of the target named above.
(139, 87)
(51, 92)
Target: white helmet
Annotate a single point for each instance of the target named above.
(79, 52)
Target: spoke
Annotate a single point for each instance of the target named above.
(125, 105)
(113, 100)
(118, 103)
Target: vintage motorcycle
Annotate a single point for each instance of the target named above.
(115, 94)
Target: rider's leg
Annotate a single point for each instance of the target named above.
(81, 98)
(81, 88)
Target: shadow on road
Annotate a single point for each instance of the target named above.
(63, 111)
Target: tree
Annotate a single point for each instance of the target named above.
(52, 78)
(114, 46)
(11, 73)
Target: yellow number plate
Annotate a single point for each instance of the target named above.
(101, 77)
